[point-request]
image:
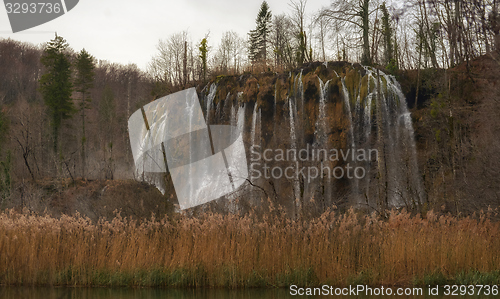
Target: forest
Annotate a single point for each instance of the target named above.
(63, 121)
(416, 82)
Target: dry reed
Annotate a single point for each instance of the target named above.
(231, 251)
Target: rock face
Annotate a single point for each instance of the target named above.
(328, 134)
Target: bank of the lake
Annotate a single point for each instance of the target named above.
(230, 251)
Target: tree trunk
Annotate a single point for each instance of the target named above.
(495, 24)
(84, 140)
(382, 168)
(365, 13)
(184, 69)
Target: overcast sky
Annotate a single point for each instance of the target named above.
(127, 31)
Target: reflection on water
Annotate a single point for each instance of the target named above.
(133, 293)
(146, 293)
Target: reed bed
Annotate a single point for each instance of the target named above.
(231, 251)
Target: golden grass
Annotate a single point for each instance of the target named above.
(234, 251)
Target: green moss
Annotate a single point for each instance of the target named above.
(438, 135)
(363, 92)
(473, 277)
(301, 277)
(435, 278)
(219, 78)
(372, 84)
(364, 277)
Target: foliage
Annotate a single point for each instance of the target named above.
(392, 67)
(56, 86)
(259, 36)
(4, 128)
(5, 165)
(5, 177)
(388, 35)
(352, 13)
(85, 65)
(83, 82)
(203, 56)
(107, 106)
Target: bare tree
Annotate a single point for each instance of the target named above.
(230, 53)
(353, 14)
(495, 23)
(170, 65)
(282, 41)
(298, 18)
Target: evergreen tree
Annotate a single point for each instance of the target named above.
(83, 82)
(56, 86)
(388, 35)
(259, 36)
(203, 56)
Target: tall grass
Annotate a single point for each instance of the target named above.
(232, 251)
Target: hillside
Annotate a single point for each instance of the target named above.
(454, 128)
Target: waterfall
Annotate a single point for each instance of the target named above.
(240, 120)
(232, 116)
(218, 114)
(406, 181)
(226, 109)
(357, 130)
(293, 136)
(237, 119)
(293, 145)
(254, 125)
(322, 139)
(321, 124)
(404, 185)
(210, 100)
(255, 141)
(300, 87)
(347, 105)
(255, 131)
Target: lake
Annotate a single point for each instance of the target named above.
(149, 293)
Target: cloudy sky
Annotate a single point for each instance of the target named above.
(127, 31)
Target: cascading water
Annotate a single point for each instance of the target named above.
(255, 141)
(322, 136)
(240, 120)
(406, 181)
(218, 113)
(300, 95)
(210, 100)
(232, 116)
(356, 118)
(255, 131)
(293, 145)
(347, 105)
(321, 124)
(404, 185)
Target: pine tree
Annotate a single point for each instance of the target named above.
(56, 86)
(83, 82)
(258, 36)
